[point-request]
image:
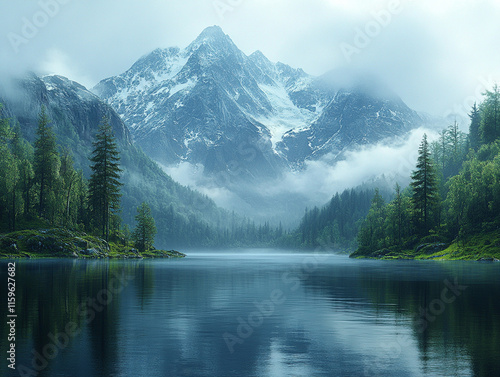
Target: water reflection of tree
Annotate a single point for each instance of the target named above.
(471, 322)
(50, 295)
(144, 282)
(103, 328)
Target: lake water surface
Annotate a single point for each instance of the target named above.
(254, 313)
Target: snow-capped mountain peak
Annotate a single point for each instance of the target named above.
(209, 103)
(211, 35)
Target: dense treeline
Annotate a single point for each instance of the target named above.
(40, 186)
(244, 232)
(336, 224)
(455, 189)
(455, 192)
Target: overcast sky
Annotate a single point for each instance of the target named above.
(438, 55)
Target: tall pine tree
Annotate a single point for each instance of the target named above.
(9, 176)
(425, 190)
(104, 185)
(46, 162)
(474, 128)
(371, 234)
(68, 188)
(490, 116)
(6, 133)
(23, 152)
(145, 231)
(398, 206)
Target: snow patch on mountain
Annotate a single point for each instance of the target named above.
(173, 66)
(183, 87)
(285, 115)
(209, 104)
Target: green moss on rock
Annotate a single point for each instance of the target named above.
(64, 243)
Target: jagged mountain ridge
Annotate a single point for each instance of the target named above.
(181, 214)
(351, 119)
(206, 103)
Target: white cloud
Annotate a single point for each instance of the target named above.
(314, 185)
(191, 175)
(56, 62)
(321, 179)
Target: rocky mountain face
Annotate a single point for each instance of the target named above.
(352, 118)
(75, 114)
(74, 111)
(211, 104)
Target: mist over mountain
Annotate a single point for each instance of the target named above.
(234, 126)
(211, 104)
(261, 138)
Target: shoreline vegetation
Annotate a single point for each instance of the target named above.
(64, 243)
(42, 197)
(482, 247)
(451, 209)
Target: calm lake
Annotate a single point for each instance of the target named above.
(254, 313)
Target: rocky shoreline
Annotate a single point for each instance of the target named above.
(64, 243)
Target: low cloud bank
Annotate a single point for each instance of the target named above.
(285, 199)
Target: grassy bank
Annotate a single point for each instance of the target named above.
(63, 243)
(480, 247)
